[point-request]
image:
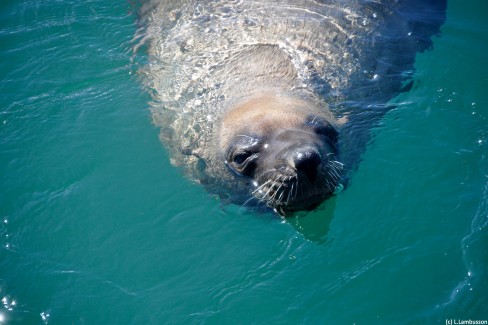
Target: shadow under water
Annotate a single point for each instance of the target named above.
(314, 225)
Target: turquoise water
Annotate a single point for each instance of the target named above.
(98, 228)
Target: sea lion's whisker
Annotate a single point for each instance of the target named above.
(248, 200)
(335, 163)
(328, 184)
(296, 190)
(276, 189)
(281, 195)
(289, 194)
(260, 187)
(334, 174)
(267, 192)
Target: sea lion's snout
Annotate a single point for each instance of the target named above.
(305, 160)
(299, 176)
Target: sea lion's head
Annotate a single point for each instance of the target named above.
(282, 150)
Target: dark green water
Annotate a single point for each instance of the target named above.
(98, 228)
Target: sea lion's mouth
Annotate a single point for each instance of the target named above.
(308, 203)
(293, 192)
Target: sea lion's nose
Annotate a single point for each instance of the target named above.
(306, 160)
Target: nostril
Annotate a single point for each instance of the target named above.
(306, 160)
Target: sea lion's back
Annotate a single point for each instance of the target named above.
(336, 46)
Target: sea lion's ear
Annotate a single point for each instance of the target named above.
(192, 152)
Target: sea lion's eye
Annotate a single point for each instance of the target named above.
(242, 154)
(241, 157)
(322, 127)
(243, 162)
(329, 131)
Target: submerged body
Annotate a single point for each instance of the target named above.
(271, 102)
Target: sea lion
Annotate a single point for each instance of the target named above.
(270, 103)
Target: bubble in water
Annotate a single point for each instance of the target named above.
(8, 304)
(44, 317)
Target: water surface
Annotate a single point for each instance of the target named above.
(98, 228)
